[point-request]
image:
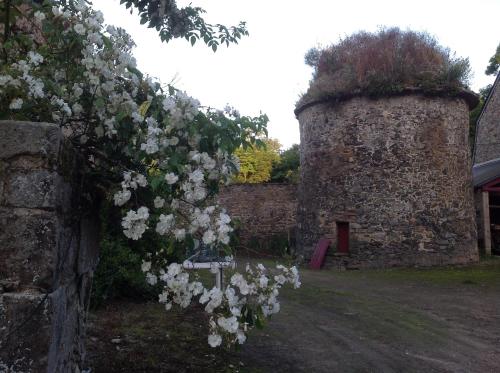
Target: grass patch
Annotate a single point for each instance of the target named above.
(484, 274)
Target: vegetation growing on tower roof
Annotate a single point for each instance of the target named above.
(389, 61)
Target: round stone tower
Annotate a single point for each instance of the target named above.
(387, 180)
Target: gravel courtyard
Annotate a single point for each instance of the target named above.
(404, 320)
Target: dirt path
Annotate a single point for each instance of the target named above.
(440, 320)
(393, 321)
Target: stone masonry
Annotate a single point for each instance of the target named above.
(47, 252)
(398, 171)
(265, 210)
(488, 127)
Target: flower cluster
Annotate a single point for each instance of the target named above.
(160, 153)
(246, 301)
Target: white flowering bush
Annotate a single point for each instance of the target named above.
(244, 303)
(162, 155)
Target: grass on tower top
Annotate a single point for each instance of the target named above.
(387, 62)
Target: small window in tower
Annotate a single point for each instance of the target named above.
(342, 237)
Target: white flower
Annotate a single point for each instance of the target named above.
(145, 266)
(180, 234)
(174, 269)
(77, 108)
(215, 299)
(168, 104)
(196, 176)
(16, 104)
(164, 224)
(199, 193)
(263, 281)
(122, 197)
(35, 58)
(137, 118)
(151, 279)
(232, 298)
(238, 280)
(141, 180)
(196, 288)
(171, 178)
(56, 11)
(174, 141)
(280, 279)
(77, 90)
(163, 297)
(241, 337)
(159, 202)
(229, 324)
(150, 146)
(134, 223)
(214, 340)
(39, 16)
(208, 237)
(79, 29)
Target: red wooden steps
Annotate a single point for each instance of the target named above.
(318, 257)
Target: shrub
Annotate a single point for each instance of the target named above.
(118, 274)
(385, 62)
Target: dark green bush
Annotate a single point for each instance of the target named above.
(118, 273)
(286, 170)
(277, 245)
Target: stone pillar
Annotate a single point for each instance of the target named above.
(48, 251)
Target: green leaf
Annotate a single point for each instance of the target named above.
(156, 182)
(99, 103)
(170, 248)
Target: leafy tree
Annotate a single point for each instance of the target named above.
(286, 170)
(256, 162)
(494, 63)
(173, 22)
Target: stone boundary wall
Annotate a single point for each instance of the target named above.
(47, 253)
(265, 210)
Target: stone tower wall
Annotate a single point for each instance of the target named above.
(398, 170)
(48, 251)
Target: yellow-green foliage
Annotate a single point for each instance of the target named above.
(256, 163)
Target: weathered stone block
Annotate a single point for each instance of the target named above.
(42, 332)
(25, 329)
(33, 189)
(28, 138)
(28, 246)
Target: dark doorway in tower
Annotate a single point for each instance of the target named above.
(342, 237)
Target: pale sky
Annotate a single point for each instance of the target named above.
(266, 73)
